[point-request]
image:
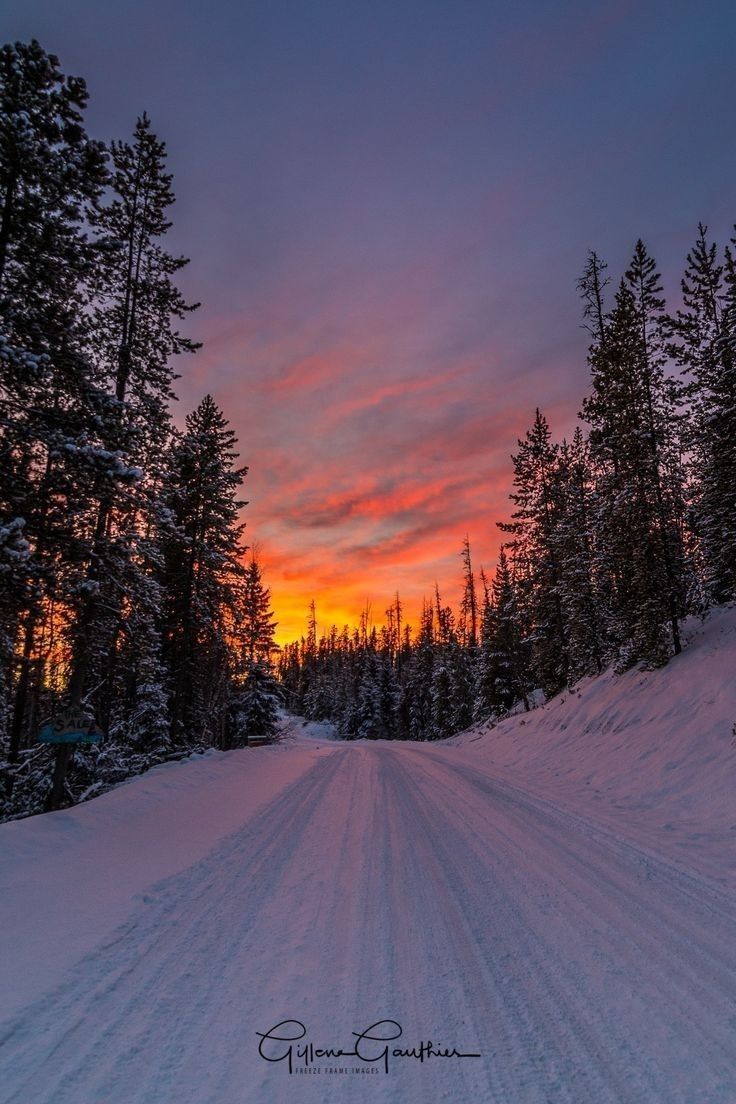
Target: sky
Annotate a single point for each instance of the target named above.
(387, 206)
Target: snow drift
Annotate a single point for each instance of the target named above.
(651, 752)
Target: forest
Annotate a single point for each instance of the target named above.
(616, 535)
(128, 598)
(130, 604)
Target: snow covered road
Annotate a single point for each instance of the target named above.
(393, 882)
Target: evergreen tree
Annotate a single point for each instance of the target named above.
(602, 564)
(663, 431)
(537, 499)
(14, 553)
(51, 175)
(639, 477)
(502, 677)
(138, 303)
(704, 345)
(418, 678)
(133, 341)
(442, 722)
(368, 705)
(256, 625)
(201, 569)
(388, 697)
(140, 720)
(377, 699)
(592, 285)
(469, 603)
(254, 706)
(121, 583)
(460, 663)
(584, 600)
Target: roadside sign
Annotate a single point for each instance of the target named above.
(70, 728)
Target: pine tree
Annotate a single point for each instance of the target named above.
(635, 452)
(308, 661)
(201, 569)
(138, 303)
(14, 553)
(469, 603)
(460, 663)
(663, 431)
(582, 589)
(591, 286)
(418, 678)
(704, 345)
(441, 717)
(537, 499)
(256, 625)
(254, 706)
(133, 341)
(51, 175)
(502, 673)
(377, 698)
(139, 721)
(482, 699)
(368, 705)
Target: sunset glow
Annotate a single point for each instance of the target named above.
(367, 552)
(386, 216)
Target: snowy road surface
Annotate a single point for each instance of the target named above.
(393, 882)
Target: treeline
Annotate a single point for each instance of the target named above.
(125, 599)
(616, 535)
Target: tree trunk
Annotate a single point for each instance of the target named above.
(5, 223)
(21, 690)
(61, 765)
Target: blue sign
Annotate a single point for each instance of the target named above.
(69, 729)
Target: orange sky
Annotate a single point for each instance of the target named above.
(387, 217)
(387, 207)
(366, 467)
(377, 411)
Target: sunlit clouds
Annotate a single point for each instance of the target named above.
(387, 210)
(373, 448)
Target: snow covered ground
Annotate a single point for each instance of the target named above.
(555, 895)
(651, 754)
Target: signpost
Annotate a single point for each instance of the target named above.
(70, 728)
(66, 730)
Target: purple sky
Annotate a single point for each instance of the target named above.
(387, 206)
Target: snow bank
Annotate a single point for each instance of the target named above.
(651, 752)
(298, 728)
(67, 879)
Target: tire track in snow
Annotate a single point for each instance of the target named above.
(686, 907)
(391, 882)
(111, 1033)
(547, 1052)
(663, 940)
